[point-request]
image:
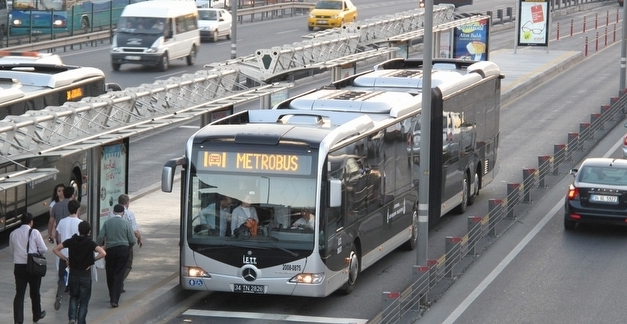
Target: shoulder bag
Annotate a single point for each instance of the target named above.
(36, 264)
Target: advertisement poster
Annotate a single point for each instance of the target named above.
(471, 41)
(533, 22)
(113, 176)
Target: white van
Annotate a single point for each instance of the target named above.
(156, 32)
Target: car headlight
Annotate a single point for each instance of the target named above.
(312, 16)
(152, 50)
(335, 16)
(59, 23)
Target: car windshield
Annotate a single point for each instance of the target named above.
(336, 5)
(603, 175)
(207, 15)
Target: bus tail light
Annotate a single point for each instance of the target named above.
(195, 272)
(308, 278)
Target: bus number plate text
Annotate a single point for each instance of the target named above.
(248, 289)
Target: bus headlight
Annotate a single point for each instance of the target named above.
(308, 278)
(59, 23)
(17, 22)
(195, 272)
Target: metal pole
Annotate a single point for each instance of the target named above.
(425, 126)
(234, 23)
(622, 52)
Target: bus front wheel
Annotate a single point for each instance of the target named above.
(353, 270)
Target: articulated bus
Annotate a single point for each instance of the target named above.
(34, 81)
(39, 17)
(248, 180)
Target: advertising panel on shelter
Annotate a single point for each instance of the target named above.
(533, 23)
(113, 175)
(470, 41)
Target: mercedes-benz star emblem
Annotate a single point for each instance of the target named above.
(249, 274)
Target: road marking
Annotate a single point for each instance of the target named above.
(288, 31)
(506, 261)
(274, 317)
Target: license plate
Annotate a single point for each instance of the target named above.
(133, 58)
(604, 198)
(248, 289)
(323, 22)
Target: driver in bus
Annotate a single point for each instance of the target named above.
(306, 220)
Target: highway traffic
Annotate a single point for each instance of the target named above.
(534, 284)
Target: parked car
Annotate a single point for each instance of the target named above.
(214, 23)
(598, 193)
(331, 14)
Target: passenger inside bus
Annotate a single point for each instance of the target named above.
(306, 221)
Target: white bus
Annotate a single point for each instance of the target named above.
(34, 81)
(323, 152)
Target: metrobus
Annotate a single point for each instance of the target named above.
(324, 152)
(34, 81)
(38, 17)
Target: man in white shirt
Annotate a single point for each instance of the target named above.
(125, 201)
(66, 228)
(243, 212)
(18, 241)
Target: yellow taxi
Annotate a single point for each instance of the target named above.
(331, 14)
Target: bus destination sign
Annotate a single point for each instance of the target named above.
(74, 94)
(255, 162)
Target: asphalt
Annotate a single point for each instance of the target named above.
(152, 288)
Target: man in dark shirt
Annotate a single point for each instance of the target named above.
(80, 259)
(116, 236)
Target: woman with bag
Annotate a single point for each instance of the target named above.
(19, 240)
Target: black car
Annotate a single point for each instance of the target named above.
(598, 194)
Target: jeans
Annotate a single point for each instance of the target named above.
(22, 279)
(61, 278)
(80, 293)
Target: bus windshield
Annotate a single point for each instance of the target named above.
(38, 5)
(224, 203)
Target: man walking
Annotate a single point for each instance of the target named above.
(117, 237)
(80, 249)
(19, 239)
(125, 201)
(66, 228)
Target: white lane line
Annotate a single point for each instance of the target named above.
(288, 31)
(274, 317)
(497, 271)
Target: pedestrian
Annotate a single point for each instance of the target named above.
(19, 239)
(117, 237)
(58, 212)
(80, 250)
(57, 195)
(125, 201)
(67, 228)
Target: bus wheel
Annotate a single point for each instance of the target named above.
(412, 243)
(84, 23)
(75, 182)
(191, 58)
(461, 208)
(116, 66)
(164, 64)
(475, 190)
(353, 270)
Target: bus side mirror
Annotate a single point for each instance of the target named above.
(335, 193)
(167, 173)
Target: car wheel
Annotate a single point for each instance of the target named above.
(191, 58)
(461, 208)
(568, 224)
(116, 66)
(164, 63)
(214, 37)
(228, 36)
(353, 270)
(310, 28)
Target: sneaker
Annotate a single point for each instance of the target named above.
(57, 302)
(114, 305)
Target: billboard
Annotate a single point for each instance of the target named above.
(470, 41)
(533, 23)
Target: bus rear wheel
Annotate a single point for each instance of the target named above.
(353, 270)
